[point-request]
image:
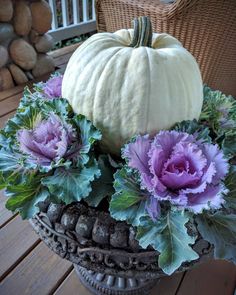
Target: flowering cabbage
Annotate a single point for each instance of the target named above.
(174, 166)
(48, 141)
(52, 88)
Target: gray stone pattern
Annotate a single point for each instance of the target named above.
(92, 239)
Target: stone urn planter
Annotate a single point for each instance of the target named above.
(105, 254)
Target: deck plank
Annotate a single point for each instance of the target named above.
(211, 278)
(3, 120)
(72, 286)
(5, 215)
(39, 273)
(17, 239)
(168, 285)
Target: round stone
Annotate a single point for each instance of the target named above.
(84, 226)
(41, 16)
(44, 43)
(22, 18)
(3, 56)
(34, 36)
(6, 80)
(69, 219)
(44, 65)
(17, 74)
(6, 10)
(54, 212)
(6, 32)
(101, 231)
(119, 238)
(23, 54)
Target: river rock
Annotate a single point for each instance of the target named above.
(6, 32)
(6, 10)
(6, 80)
(17, 74)
(41, 16)
(22, 18)
(23, 54)
(3, 56)
(44, 65)
(34, 36)
(44, 43)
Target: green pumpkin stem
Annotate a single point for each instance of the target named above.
(142, 32)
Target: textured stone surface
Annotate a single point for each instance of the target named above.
(3, 56)
(44, 65)
(6, 32)
(41, 16)
(44, 43)
(133, 243)
(22, 18)
(6, 80)
(33, 36)
(119, 239)
(84, 226)
(6, 10)
(69, 219)
(101, 231)
(17, 74)
(54, 212)
(23, 54)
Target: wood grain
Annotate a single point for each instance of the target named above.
(168, 285)
(72, 286)
(3, 120)
(211, 278)
(5, 215)
(39, 273)
(17, 239)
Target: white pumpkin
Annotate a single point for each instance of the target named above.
(133, 82)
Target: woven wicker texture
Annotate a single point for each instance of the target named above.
(206, 28)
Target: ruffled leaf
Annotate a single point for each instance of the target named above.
(229, 145)
(27, 119)
(73, 184)
(219, 229)
(193, 127)
(230, 183)
(169, 237)
(24, 197)
(3, 183)
(129, 201)
(103, 186)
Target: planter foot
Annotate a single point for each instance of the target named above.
(100, 284)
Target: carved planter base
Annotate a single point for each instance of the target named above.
(106, 256)
(100, 283)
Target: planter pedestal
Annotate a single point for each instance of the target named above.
(99, 283)
(105, 254)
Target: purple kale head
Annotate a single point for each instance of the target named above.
(175, 167)
(52, 88)
(48, 142)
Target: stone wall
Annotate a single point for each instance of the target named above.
(24, 41)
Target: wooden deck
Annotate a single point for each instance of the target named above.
(27, 266)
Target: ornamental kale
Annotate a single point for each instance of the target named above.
(180, 177)
(47, 152)
(174, 166)
(52, 88)
(48, 141)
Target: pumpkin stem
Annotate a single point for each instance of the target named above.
(142, 32)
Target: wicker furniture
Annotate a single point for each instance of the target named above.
(206, 28)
